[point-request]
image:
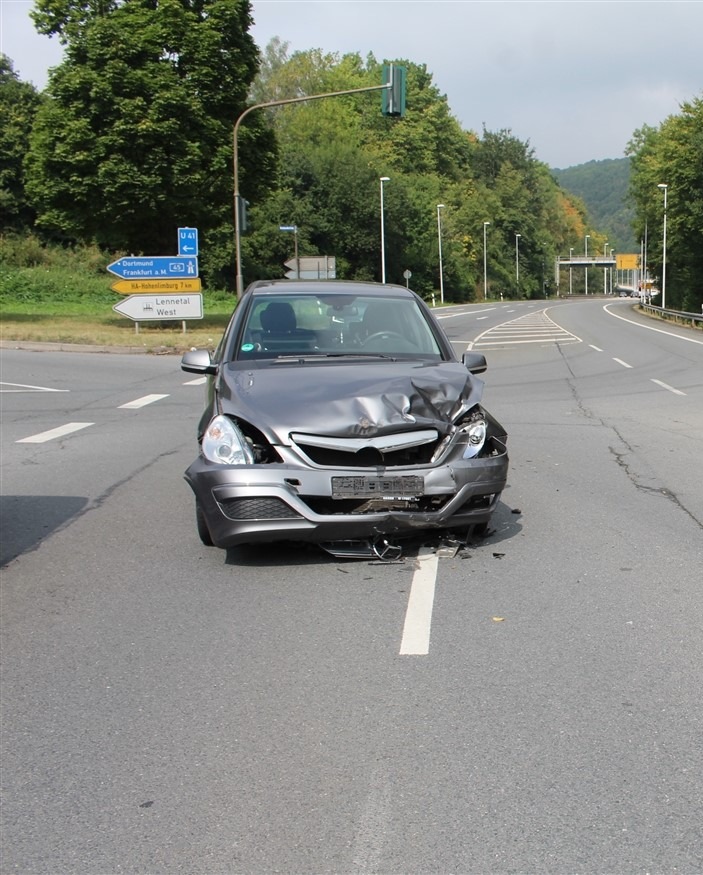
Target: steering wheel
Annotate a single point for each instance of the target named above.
(384, 334)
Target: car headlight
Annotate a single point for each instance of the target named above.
(224, 443)
(475, 432)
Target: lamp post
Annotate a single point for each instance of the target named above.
(517, 264)
(586, 271)
(571, 255)
(485, 273)
(439, 238)
(383, 239)
(664, 186)
(605, 270)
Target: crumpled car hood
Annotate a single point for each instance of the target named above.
(345, 399)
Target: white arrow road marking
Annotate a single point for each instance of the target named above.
(21, 387)
(418, 619)
(141, 402)
(61, 431)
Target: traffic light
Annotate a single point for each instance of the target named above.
(242, 211)
(393, 98)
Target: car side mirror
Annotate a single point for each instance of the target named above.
(198, 361)
(474, 362)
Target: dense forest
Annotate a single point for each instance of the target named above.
(133, 137)
(603, 186)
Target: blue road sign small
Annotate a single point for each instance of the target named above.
(187, 241)
(145, 266)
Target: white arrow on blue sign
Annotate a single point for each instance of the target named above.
(187, 241)
(145, 267)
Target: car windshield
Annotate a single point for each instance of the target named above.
(328, 325)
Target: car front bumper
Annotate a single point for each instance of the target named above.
(274, 502)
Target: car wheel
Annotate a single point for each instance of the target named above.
(201, 523)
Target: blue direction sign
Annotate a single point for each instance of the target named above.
(187, 241)
(153, 266)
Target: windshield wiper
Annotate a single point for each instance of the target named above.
(303, 357)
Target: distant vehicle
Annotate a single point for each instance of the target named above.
(339, 414)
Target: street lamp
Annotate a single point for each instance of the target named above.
(571, 255)
(664, 186)
(485, 274)
(517, 264)
(605, 269)
(439, 238)
(586, 272)
(383, 240)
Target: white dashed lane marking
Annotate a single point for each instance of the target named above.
(668, 387)
(54, 433)
(141, 402)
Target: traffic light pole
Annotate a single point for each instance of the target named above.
(237, 224)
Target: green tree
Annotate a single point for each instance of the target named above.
(135, 137)
(19, 102)
(672, 155)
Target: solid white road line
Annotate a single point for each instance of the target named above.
(61, 431)
(141, 402)
(652, 328)
(621, 362)
(418, 619)
(668, 387)
(20, 387)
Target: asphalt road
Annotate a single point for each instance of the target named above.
(169, 708)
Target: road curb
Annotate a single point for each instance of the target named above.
(44, 346)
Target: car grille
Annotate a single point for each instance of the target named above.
(257, 509)
(369, 456)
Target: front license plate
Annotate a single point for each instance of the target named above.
(373, 487)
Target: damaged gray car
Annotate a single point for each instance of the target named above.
(339, 414)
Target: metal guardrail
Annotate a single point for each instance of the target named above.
(694, 319)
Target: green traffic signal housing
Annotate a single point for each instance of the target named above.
(393, 98)
(242, 206)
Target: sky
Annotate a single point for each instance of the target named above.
(573, 78)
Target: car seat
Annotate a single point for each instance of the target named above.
(278, 318)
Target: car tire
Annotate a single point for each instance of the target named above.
(201, 523)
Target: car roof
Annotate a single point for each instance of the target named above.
(328, 287)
